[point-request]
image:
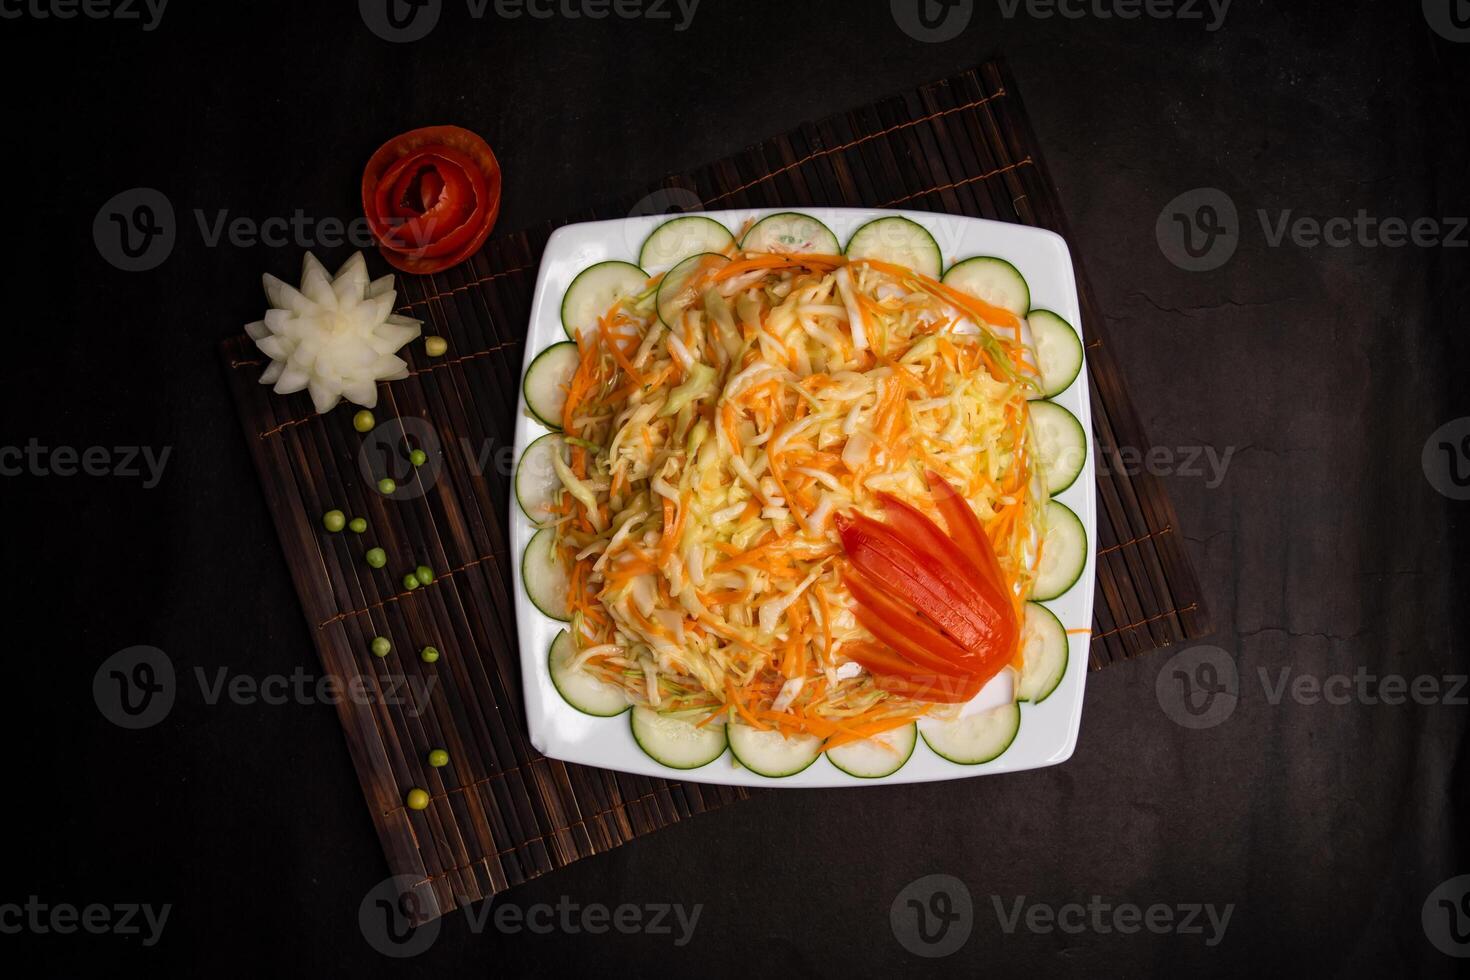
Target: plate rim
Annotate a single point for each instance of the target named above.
(618, 238)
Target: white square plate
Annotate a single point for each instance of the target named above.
(1048, 732)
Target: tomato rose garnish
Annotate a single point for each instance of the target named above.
(431, 197)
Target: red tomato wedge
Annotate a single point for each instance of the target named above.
(898, 625)
(431, 197)
(892, 673)
(936, 602)
(966, 530)
(922, 580)
(966, 565)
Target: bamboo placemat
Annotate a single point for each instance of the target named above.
(502, 813)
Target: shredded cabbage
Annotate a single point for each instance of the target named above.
(706, 572)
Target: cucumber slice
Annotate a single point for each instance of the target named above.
(973, 739)
(536, 479)
(546, 382)
(1058, 349)
(994, 280)
(881, 755)
(770, 753)
(1044, 645)
(674, 241)
(790, 231)
(1061, 444)
(675, 741)
(594, 292)
(577, 687)
(673, 296)
(547, 582)
(1063, 554)
(897, 240)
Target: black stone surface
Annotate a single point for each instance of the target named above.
(1324, 550)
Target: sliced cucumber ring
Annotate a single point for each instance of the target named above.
(674, 241)
(536, 479)
(897, 240)
(594, 292)
(981, 737)
(772, 754)
(790, 231)
(1063, 553)
(578, 688)
(993, 280)
(1044, 646)
(881, 755)
(675, 741)
(1058, 351)
(673, 293)
(547, 582)
(546, 382)
(1061, 444)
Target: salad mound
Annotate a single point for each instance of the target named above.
(757, 449)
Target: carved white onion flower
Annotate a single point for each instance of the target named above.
(335, 336)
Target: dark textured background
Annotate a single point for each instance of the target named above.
(1325, 548)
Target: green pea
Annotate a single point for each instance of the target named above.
(424, 574)
(387, 485)
(334, 520)
(435, 346)
(418, 457)
(363, 421)
(376, 557)
(357, 525)
(428, 655)
(381, 646)
(438, 758)
(410, 583)
(417, 799)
